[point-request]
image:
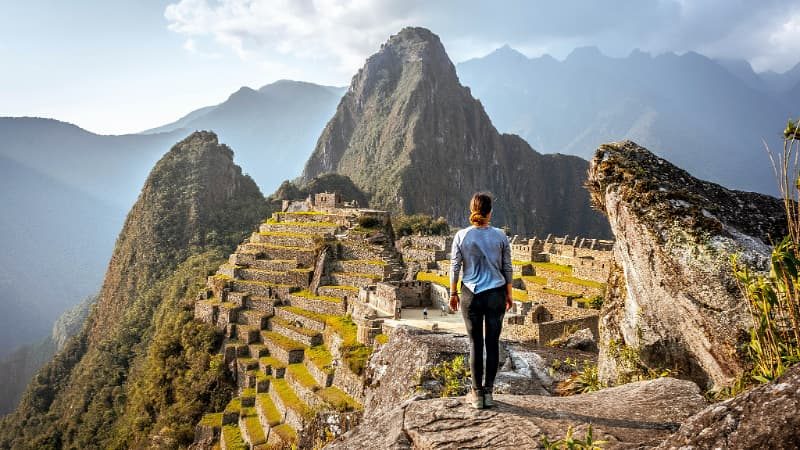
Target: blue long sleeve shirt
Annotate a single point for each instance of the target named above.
(485, 255)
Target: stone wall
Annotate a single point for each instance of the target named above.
(349, 382)
(440, 296)
(425, 242)
(388, 305)
(421, 254)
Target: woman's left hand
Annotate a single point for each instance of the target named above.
(509, 302)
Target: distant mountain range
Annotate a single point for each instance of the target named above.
(707, 117)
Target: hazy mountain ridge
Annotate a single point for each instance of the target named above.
(686, 108)
(411, 136)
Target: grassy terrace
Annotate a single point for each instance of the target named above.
(534, 279)
(211, 420)
(296, 329)
(272, 362)
(271, 413)
(341, 286)
(282, 341)
(282, 247)
(320, 357)
(254, 429)
(293, 234)
(517, 262)
(300, 373)
(519, 295)
(234, 406)
(233, 438)
(566, 270)
(370, 276)
(559, 292)
(271, 221)
(305, 293)
(582, 282)
(286, 432)
(290, 399)
(382, 338)
(338, 399)
(434, 278)
(374, 262)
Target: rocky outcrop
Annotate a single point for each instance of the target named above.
(672, 301)
(765, 417)
(636, 414)
(413, 138)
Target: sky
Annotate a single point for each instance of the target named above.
(123, 66)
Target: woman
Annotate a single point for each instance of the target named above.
(485, 254)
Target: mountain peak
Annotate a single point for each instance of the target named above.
(589, 53)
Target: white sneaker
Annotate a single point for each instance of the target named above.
(476, 399)
(488, 401)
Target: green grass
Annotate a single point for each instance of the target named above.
(290, 399)
(301, 374)
(320, 357)
(338, 399)
(434, 278)
(248, 392)
(559, 292)
(534, 279)
(567, 270)
(356, 357)
(234, 406)
(300, 330)
(272, 362)
(286, 432)
(517, 262)
(382, 338)
(341, 286)
(211, 420)
(294, 234)
(301, 213)
(254, 430)
(519, 295)
(582, 282)
(283, 247)
(282, 341)
(264, 283)
(271, 413)
(305, 293)
(233, 438)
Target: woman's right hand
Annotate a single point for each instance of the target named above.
(454, 301)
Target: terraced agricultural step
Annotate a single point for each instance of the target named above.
(257, 288)
(339, 291)
(248, 334)
(274, 264)
(294, 410)
(287, 238)
(305, 336)
(338, 400)
(243, 366)
(295, 277)
(318, 303)
(235, 349)
(258, 350)
(295, 316)
(209, 427)
(266, 305)
(303, 255)
(282, 435)
(231, 438)
(282, 348)
(354, 278)
(318, 228)
(251, 429)
(268, 414)
(319, 362)
(374, 267)
(272, 366)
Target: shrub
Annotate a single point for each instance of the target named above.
(453, 375)
(407, 225)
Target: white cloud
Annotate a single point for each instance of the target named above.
(337, 35)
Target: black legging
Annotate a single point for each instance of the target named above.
(487, 307)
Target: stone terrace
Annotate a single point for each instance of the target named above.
(284, 301)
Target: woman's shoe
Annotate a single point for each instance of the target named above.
(475, 399)
(488, 401)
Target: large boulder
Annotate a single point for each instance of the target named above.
(633, 415)
(672, 301)
(765, 417)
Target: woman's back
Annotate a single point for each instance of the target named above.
(485, 254)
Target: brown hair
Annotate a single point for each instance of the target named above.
(479, 207)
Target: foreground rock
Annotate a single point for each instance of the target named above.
(765, 417)
(672, 302)
(637, 414)
(397, 370)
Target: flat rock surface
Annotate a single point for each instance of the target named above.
(641, 413)
(766, 417)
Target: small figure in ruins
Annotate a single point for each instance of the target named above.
(425, 313)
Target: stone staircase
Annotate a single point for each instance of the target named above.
(294, 353)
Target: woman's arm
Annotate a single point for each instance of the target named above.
(508, 272)
(456, 259)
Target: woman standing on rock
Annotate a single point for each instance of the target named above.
(485, 254)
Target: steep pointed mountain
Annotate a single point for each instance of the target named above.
(194, 207)
(413, 138)
(698, 114)
(273, 129)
